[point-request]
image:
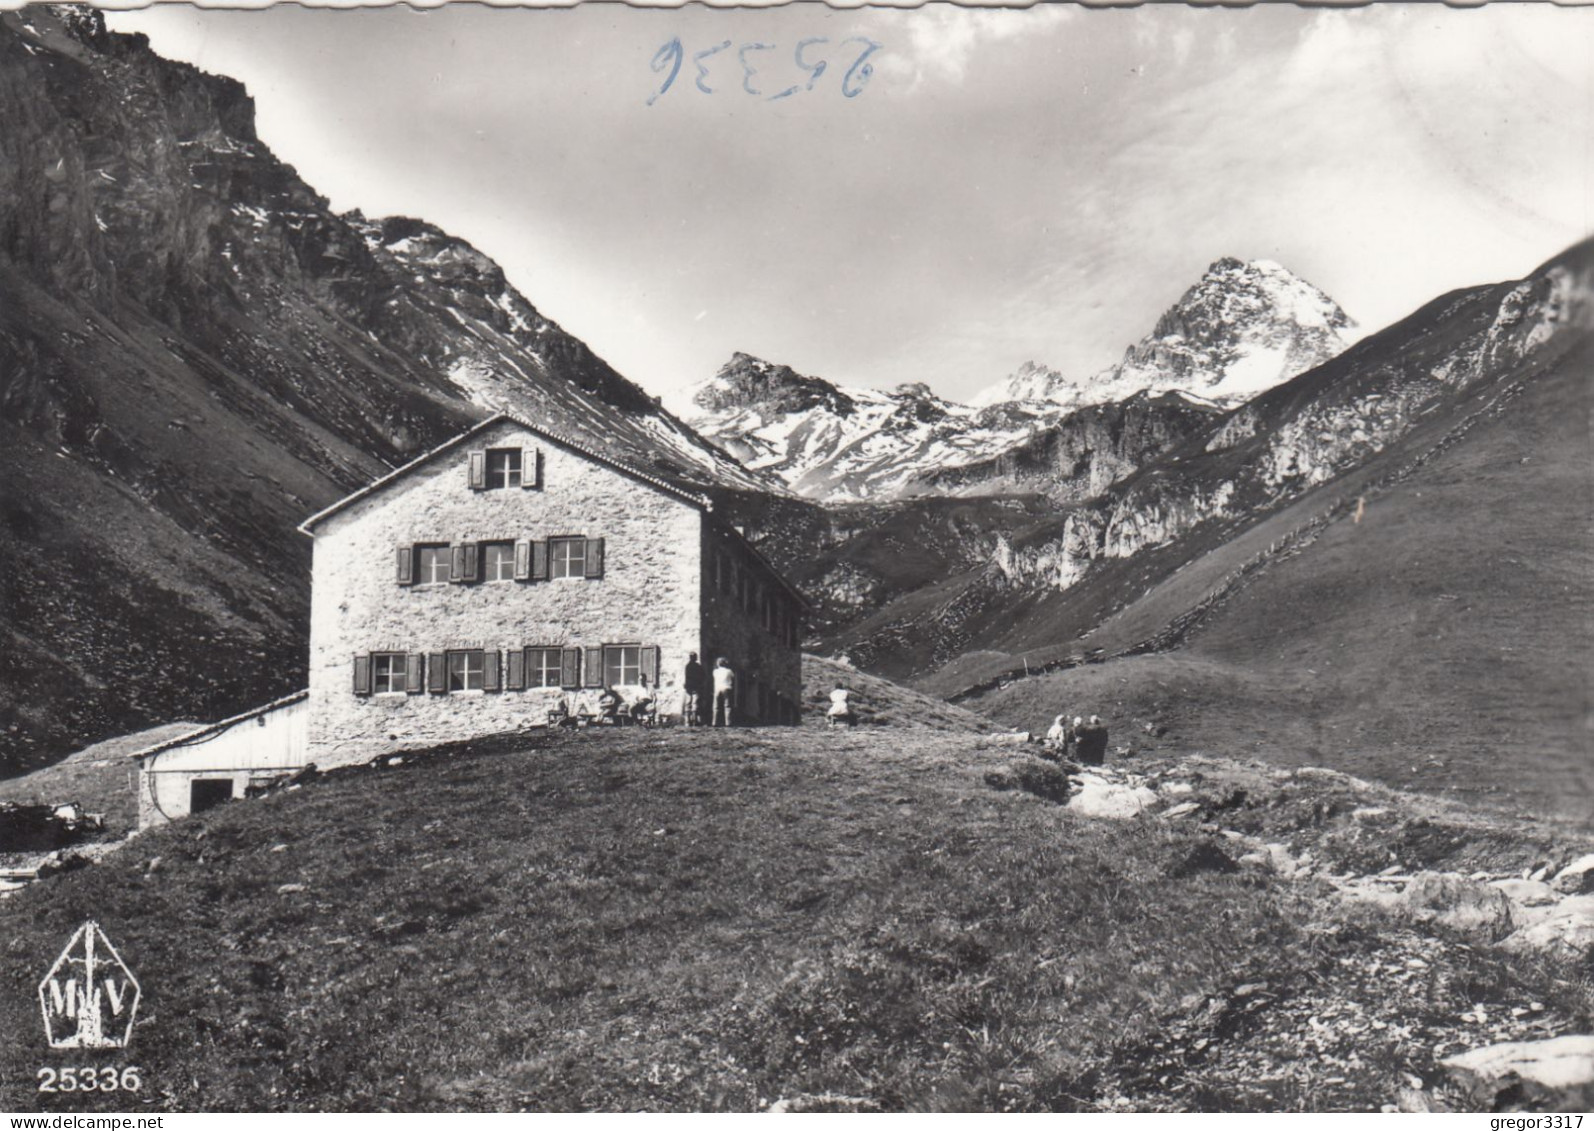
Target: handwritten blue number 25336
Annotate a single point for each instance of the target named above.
(670, 56)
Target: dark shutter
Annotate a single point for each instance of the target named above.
(594, 665)
(650, 664)
(491, 670)
(478, 471)
(406, 565)
(515, 670)
(362, 675)
(594, 557)
(437, 672)
(539, 560)
(522, 560)
(530, 467)
(570, 667)
(415, 673)
(463, 562)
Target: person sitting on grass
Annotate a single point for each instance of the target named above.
(1057, 736)
(840, 710)
(1092, 742)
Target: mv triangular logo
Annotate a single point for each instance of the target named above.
(90, 997)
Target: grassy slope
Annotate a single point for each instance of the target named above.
(1443, 642)
(706, 920)
(98, 776)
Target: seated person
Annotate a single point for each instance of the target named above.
(840, 710)
(642, 707)
(609, 707)
(1058, 736)
(559, 715)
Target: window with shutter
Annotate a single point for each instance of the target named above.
(539, 561)
(415, 673)
(477, 471)
(467, 669)
(594, 558)
(622, 665)
(593, 667)
(498, 561)
(570, 668)
(515, 670)
(650, 665)
(503, 468)
(491, 670)
(387, 673)
(362, 675)
(567, 557)
(531, 468)
(406, 565)
(437, 672)
(433, 564)
(523, 560)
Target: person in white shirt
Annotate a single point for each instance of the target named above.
(724, 692)
(840, 711)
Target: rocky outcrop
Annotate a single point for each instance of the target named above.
(1551, 1075)
(1082, 454)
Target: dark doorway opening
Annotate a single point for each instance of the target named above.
(207, 793)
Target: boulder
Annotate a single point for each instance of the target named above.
(1099, 797)
(1527, 893)
(1463, 905)
(1567, 929)
(1577, 878)
(1552, 1075)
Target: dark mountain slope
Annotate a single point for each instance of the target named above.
(195, 354)
(1444, 641)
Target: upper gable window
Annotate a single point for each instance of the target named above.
(504, 467)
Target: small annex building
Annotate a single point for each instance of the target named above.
(466, 592)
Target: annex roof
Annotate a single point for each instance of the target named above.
(210, 730)
(701, 501)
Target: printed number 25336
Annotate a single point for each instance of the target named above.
(808, 56)
(90, 1079)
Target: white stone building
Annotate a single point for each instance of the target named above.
(466, 592)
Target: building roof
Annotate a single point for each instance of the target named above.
(210, 730)
(700, 501)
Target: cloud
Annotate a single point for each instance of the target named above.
(943, 38)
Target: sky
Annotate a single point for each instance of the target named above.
(956, 191)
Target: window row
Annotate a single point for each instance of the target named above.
(479, 669)
(499, 468)
(444, 563)
(762, 602)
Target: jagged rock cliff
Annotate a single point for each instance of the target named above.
(195, 354)
(1082, 454)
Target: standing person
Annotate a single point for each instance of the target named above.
(1093, 742)
(724, 692)
(692, 691)
(840, 710)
